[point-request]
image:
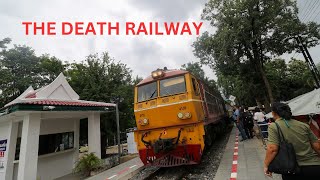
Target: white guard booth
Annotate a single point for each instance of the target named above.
(39, 132)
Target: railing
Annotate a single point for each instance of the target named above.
(263, 132)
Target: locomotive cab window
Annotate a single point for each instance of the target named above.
(171, 86)
(148, 91)
(195, 87)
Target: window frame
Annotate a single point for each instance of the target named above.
(51, 140)
(157, 93)
(185, 85)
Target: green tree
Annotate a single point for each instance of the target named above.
(196, 69)
(276, 72)
(19, 69)
(300, 78)
(51, 67)
(249, 33)
(101, 78)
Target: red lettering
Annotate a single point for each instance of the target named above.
(142, 29)
(150, 28)
(130, 27)
(51, 28)
(35, 28)
(64, 32)
(90, 29)
(78, 28)
(185, 29)
(197, 27)
(101, 24)
(27, 26)
(115, 28)
(157, 29)
(173, 27)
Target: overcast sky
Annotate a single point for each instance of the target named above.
(142, 53)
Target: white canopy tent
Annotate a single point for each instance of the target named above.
(306, 104)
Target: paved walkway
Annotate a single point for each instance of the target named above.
(123, 171)
(243, 160)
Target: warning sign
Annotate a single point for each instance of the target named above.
(3, 145)
(3, 148)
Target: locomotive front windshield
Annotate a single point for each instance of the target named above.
(171, 86)
(148, 91)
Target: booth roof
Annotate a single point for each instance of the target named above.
(58, 94)
(50, 102)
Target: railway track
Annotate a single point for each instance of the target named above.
(205, 170)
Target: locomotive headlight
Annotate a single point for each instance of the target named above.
(157, 73)
(187, 115)
(145, 121)
(180, 115)
(154, 74)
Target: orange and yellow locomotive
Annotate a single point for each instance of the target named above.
(176, 116)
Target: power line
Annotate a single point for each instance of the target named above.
(305, 12)
(308, 9)
(304, 5)
(313, 10)
(316, 16)
(310, 12)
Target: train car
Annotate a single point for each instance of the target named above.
(177, 116)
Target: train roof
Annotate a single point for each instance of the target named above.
(167, 74)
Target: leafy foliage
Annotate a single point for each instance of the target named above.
(250, 33)
(197, 71)
(101, 78)
(88, 163)
(287, 80)
(19, 69)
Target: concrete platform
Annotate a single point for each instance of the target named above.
(121, 172)
(243, 160)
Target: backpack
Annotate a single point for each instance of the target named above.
(285, 161)
(247, 118)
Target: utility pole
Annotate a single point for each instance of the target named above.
(309, 60)
(118, 131)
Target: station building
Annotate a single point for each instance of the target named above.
(39, 132)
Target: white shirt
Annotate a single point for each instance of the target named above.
(259, 116)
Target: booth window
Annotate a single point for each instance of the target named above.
(51, 143)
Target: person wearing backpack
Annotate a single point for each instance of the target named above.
(247, 119)
(306, 146)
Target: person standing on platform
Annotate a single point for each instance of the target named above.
(239, 123)
(247, 120)
(260, 118)
(305, 144)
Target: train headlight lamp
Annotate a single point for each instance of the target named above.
(157, 74)
(186, 115)
(144, 122)
(180, 115)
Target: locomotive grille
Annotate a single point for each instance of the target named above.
(171, 160)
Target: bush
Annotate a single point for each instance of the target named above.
(88, 163)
